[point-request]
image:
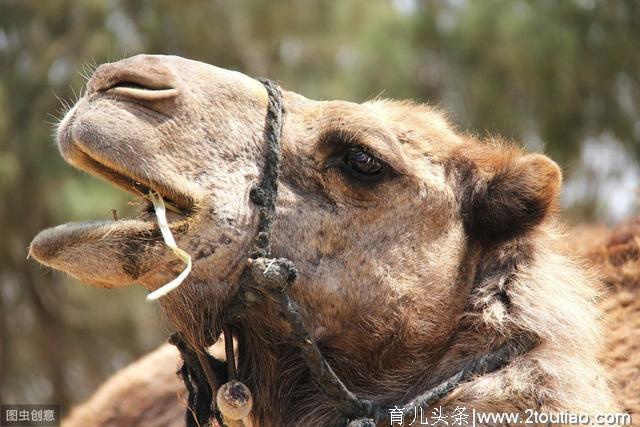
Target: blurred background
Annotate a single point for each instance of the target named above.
(560, 77)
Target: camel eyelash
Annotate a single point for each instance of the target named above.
(337, 141)
(356, 162)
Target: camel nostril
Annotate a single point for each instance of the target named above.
(141, 91)
(131, 84)
(133, 78)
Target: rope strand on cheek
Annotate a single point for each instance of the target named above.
(264, 195)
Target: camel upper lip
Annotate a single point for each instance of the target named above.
(79, 151)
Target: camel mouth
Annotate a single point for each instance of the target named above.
(114, 252)
(92, 250)
(58, 245)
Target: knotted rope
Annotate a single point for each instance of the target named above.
(200, 385)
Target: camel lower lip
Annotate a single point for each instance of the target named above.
(118, 252)
(49, 243)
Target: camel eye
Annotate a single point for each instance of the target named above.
(362, 164)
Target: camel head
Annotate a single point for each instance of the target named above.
(391, 216)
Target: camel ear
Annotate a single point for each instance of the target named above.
(511, 195)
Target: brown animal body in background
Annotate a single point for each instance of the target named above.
(145, 393)
(418, 247)
(616, 255)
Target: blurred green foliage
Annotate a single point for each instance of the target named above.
(560, 76)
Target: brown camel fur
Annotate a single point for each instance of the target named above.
(418, 247)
